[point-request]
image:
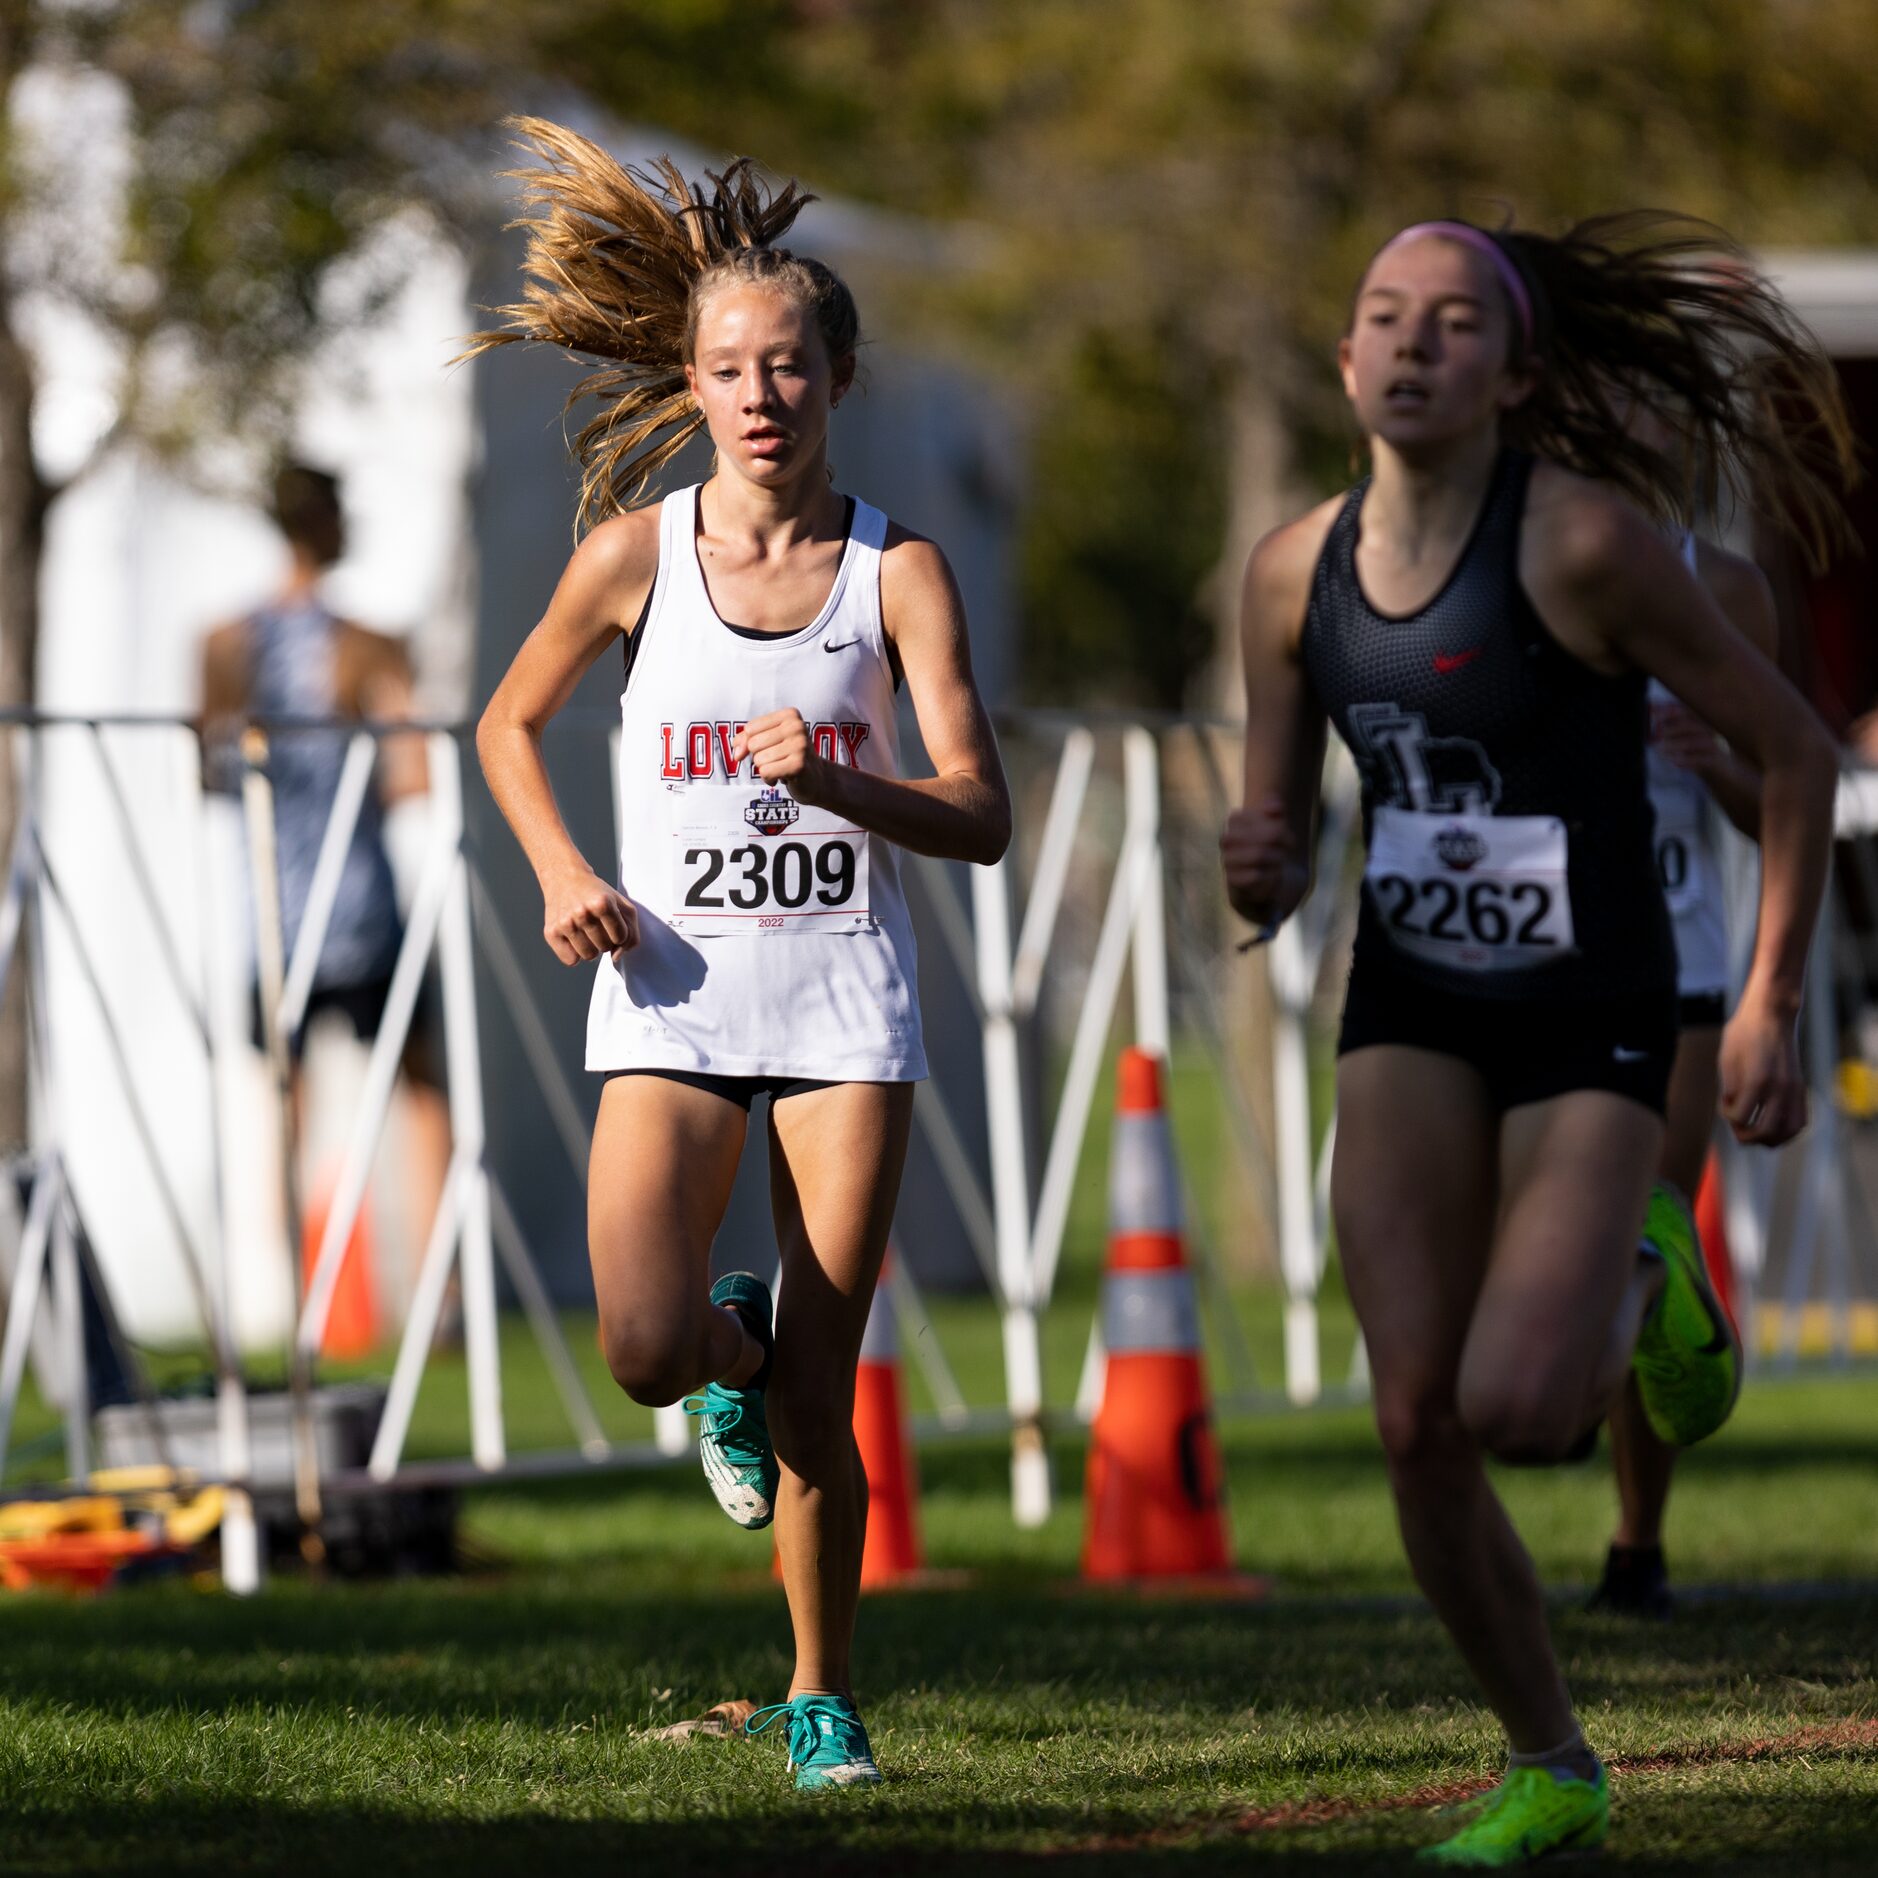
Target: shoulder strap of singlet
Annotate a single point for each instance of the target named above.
(674, 515)
(1504, 515)
(868, 529)
(1336, 559)
(867, 542)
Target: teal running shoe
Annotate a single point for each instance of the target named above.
(733, 1424)
(1532, 1812)
(1688, 1357)
(827, 1745)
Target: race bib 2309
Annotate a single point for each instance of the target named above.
(749, 858)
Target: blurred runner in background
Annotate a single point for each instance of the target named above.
(292, 656)
(1693, 776)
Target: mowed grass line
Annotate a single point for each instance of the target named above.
(499, 1721)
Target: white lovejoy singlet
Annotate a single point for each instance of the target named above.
(773, 936)
(1687, 861)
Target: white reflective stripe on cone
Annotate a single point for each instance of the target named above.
(1144, 1196)
(1150, 1313)
(880, 1342)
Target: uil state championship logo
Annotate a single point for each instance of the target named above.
(1460, 848)
(771, 812)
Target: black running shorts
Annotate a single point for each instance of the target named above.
(1525, 1050)
(742, 1090)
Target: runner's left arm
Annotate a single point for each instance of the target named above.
(962, 812)
(1742, 592)
(1607, 582)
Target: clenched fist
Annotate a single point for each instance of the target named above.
(1259, 855)
(1683, 738)
(1763, 1089)
(582, 917)
(779, 744)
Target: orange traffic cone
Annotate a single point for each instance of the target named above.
(892, 1548)
(1155, 1483)
(1712, 1229)
(352, 1322)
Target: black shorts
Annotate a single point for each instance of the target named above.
(1526, 1049)
(742, 1090)
(1702, 1010)
(363, 1007)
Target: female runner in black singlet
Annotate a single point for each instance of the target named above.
(1477, 619)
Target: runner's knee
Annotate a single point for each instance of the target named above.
(1420, 1429)
(654, 1369)
(1520, 1417)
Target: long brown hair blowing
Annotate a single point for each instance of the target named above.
(1668, 313)
(619, 265)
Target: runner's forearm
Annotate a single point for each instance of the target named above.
(955, 818)
(1736, 788)
(1796, 827)
(518, 780)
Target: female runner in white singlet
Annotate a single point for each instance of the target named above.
(1692, 775)
(758, 941)
(1478, 618)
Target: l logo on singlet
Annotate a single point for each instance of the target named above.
(1409, 769)
(1446, 662)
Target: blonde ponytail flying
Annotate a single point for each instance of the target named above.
(619, 264)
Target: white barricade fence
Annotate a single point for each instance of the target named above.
(1118, 891)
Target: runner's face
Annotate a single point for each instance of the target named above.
(1425, 360)
(763, 380)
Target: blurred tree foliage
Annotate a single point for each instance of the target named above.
(1122, 523)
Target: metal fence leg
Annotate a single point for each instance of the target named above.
(540, 1312)
(1297, 1238)
(420, 1325)
(463, 1051)
(1010, 1197)
(257, 795)
(68, 1294)
(23, 1306)
(1154, 1024)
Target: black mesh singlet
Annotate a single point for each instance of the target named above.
(1471, 705)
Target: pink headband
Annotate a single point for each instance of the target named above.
(1482, 243)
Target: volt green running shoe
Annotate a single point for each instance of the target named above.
(733, 1424)
(1688, 1358)
(1533, 1811)
(827, 1744)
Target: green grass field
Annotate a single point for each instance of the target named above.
(499, 1720)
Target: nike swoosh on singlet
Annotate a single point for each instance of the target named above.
(1446, 662)
(838, 645)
